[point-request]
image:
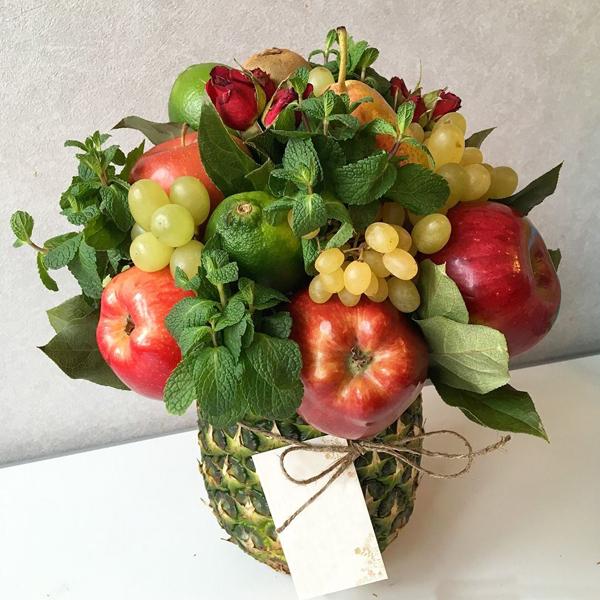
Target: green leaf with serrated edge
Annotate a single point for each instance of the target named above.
(310, 251)
(366, 180)
(233, 313)
(216, 378)
(21, 223)
(115, 204)
(555, 257)
(155, 132)
(271, 382)
(102, 234)
(190, 312)
(328, 101)
(331, 155)
(341, 236)
(180, 390)
(404, 115)
(343, 127)
(224, 161)
(476, 139)
(379, 126)
(472, 357)
(225, 274)
(440, 296)
(57, 240)
(278, 324)
(503, 409)
(84, 268)
(299, 80)
(308, 213)
(300, 159)
(248, 336)
(62, 254)
(418, 189)
(132, 157)
(363, 216)
(369, 56)
(259, 178)
(257, 296)
(233, 335)
(81, 217)
(48, 282)
(194, 338)
(75, 351)
(336, 210)
(277, 210)
(70, 310)
(535, 193)
(355, 53)
(315, 107)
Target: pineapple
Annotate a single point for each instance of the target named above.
(238, 502)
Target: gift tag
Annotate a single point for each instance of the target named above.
(330, 545)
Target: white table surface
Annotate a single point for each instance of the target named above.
(127, 522)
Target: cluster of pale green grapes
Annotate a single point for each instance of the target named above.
(463, 168)
(384, 265)
(165, 225)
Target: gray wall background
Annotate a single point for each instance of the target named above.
(68, 68)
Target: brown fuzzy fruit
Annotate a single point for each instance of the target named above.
(279, 63)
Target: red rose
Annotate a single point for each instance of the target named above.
(267, 84)
(399, 91)
(420, 108)
(447, 102)
(235, 97)
(282, 98)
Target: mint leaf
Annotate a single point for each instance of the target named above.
(504, 409)
(336, 210)
(310, 251)
(363, 216)
(81, 217)
(418, 189)
(84, 268)
(44, 275)
(21, 223)
(341, 236)
(555, 257)
(404, 115)
(180, 389)
(308, 213)
(193, 338)
(233, 313)
(535, 193)
(277, 325)
(301, 162)
(233, 335)
(299, 80)
(440, 296)
(63, 253)
(271, 382)
(342, 127)
(115, 204)
(277, 209)
(70, 310)
(155, 132)
(476, 139)
(366, 180)
(470, 357)
(132, 157)
(225, 162)
(259, 297)
(102, 234)
(379, 126)
(224, 274)
(190, 312)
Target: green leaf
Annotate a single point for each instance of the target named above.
(535, 193)
(418, 189)
(277, 325)
(216, 378)
(190, 312)
(70, 310)
(225, 274)
(116, 206)
(233, 313)
(440, 296)
(102, 234)
(308, 213)
(259, 178)
(379, 126)
(310, 251)
(132, 157)
(471, 357)
(84, 268)
(278, 209)
(44, 275)
(21, 223)
(180, 389)
(299, 80)
(404, 115)
(301, 162)
(342, 127)
(193, 338)
(81, 217)
(476, 139)
(341, 236)
(155, 132)
(271, 382)
(336, 210)
(363, 216)
(259, 297)
(233, 335)
(504, 409)
(555, 257)
(366, 180)
(369, 56)
(316, 108)
(62, 254)
(75, 351)
(225, 162)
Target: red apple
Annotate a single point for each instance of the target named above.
(363, 366)
(131, 334)
(501, 265)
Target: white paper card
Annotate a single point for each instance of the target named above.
(331, 545)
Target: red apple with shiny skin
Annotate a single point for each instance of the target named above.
(131, 334)
(502, 267)
(363, 366)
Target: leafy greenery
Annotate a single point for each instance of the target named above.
(555, 257)
(419, 189)
(440, 296)
(155, 132)
(476, 139)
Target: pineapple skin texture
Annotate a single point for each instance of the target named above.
(238, 502)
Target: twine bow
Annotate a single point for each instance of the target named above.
(401, 450)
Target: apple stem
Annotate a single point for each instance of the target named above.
(184, 129)
(343, 44)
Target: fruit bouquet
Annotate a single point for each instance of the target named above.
(302, 248)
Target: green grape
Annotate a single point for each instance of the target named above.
(489, 167)
(144, 197)
(404, 239)
(149, 254)
(400, 264)
(452, 118)
(381, 237)
(173, 225)
(382, 291)
(191, 193)
(413, 218)
(357, 277)
(472, 156)
(393, 213)
(478, 182)
(431, 233)
(317, 292)
(329, 260)
(333, 282)
(320, 78)
(373, 285)
(414, 130)
(375, 260)
(404, 295)
(504, 182)
(348, 299)
(446, 144)
(187, 258)
(457, 182)
(136, 230)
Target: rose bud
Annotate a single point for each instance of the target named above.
(420, 108)
(447, 102)
(267, 84)
(282, 98)
(399, 91)
(237, 98)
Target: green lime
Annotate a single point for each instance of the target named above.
(186, 94)
(269, 254)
